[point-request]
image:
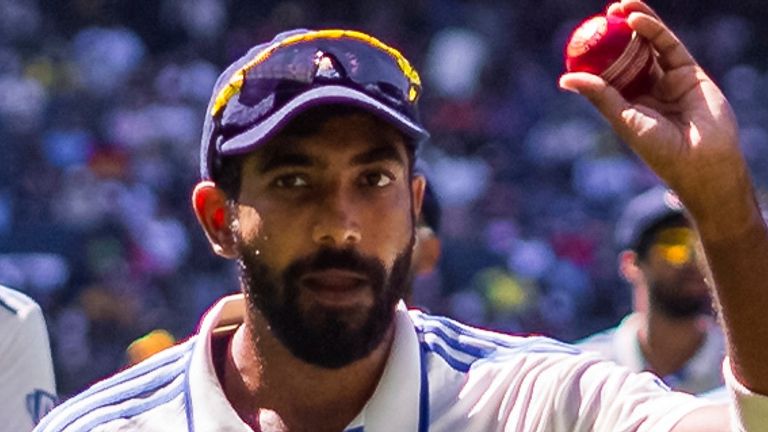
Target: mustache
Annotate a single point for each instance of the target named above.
(343, 259)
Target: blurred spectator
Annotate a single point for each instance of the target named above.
(148, 345)
(106, 57)
(671, 331)
(454, 61)
(424, 290)
(22, 105)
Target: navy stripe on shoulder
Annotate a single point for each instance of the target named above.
(357, 429)
(85, 407)
(453, 362)
(463, 346)
(426, 325)
(163, 358)
(424, 411)
(527, 344)
(158, 361)
(141, 406)
(188, 400)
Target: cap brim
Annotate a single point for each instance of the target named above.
(326, 95)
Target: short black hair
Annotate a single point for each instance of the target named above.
(227, 171)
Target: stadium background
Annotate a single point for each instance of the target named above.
(101, 106)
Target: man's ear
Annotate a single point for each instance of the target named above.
(214, 215)
(418, 184)
(427, 251)
(629, 267)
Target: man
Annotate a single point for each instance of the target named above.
(27, 387)
(671, 331)
(306, 164)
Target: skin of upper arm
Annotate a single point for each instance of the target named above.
(715, 418)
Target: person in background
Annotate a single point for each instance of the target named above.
(148, 345)
(27, 385)
(671, 330)
(424, 286)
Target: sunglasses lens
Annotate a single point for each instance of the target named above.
(675, 245)
(291, 69)
(676, 255)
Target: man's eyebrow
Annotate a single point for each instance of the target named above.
(378, 154)
(285, 158)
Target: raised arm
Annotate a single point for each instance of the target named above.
(686, 132)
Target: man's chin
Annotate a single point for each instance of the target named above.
(689, 309)
(351, 318)
(337, 340)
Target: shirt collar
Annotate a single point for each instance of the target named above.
(395, 404)
(711, 352)
(208, 407)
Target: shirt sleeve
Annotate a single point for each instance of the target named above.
(585, 393)
(611, 397)
(545, 389)
(27, 387)
(749, 410)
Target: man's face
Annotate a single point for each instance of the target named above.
(325, 236)
(676, 286)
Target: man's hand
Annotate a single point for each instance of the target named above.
(684, 130)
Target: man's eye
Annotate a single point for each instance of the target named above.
(378, 179)
(291, 181)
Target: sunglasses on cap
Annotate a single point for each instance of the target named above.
(263, 91)
(302, 58)
(676, 246)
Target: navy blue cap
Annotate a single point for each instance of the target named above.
(645, 212)
(238, 127)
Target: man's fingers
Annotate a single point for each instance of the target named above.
(629, 6)
(613, 9)
(603, 96)
(582, 82)
(677, 83)
(672, 53)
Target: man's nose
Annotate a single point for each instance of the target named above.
(337, 220)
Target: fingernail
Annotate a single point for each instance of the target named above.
(565, 86)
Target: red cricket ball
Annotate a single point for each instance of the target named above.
(605, 45)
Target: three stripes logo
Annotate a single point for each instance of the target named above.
(39, 403)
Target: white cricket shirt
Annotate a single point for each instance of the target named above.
(702, 372)
(440, 376)
(27, 387)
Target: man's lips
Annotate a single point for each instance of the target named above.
(336, 286)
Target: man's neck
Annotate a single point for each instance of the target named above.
(272, 390)
(668, 344)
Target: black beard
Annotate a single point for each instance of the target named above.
(325, 337)
(678, 307)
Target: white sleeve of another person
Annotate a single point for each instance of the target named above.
(27, 386)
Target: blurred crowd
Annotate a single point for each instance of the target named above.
(101, 108)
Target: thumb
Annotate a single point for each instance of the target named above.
(627, 120)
